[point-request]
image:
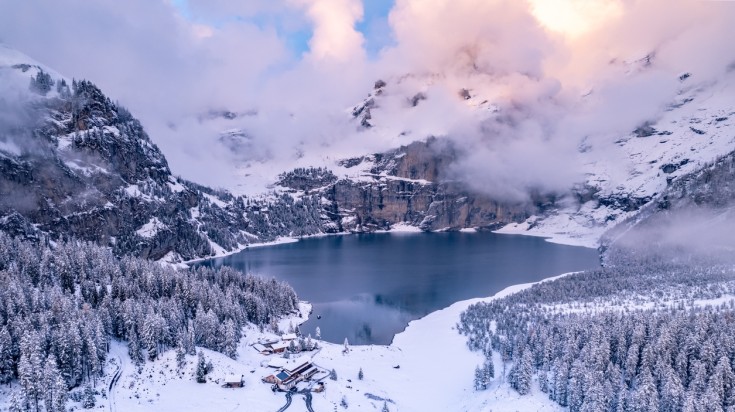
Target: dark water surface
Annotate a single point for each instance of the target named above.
(368, 287)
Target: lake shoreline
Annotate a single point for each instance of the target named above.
(509, 229)
(368, 288)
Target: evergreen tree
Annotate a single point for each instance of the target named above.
(480, 381)
(201, 371)
(60, 395)
(231, 339)
(333, 375)
(42, 83)
(489, 369)
(18, 402)
(89, 399)
(53, 391)
(385, 407)
(180, 356)
(318, 333)
(6, 356)
(521, 374)
(360, 375)
(30, 370)
(645, 395)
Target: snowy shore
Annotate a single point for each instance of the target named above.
(427, 367)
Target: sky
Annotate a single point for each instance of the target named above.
(555, 72)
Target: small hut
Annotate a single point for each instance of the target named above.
(232, 381)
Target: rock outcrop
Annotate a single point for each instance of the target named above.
(406, 185)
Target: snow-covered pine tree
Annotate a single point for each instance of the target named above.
(521, 373)
(480, 384)
(231, 339)
(89, 399)
(30, 369)
(60, 395)
(180, 356)
(6, 356)
(645, 394)
(360, 375)
(292, 347)
(489, 369)
(51, 375)
(42, 83)
(18, 401)
(201, 371)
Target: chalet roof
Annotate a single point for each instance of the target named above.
(260, 348)
(277, 362)
(233, 379)
(279, 345)
(289, 336)
(298, 367)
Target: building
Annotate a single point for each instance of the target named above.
(289, 337)
(232, 381)
(279, 347)
(262, 349)
(289, 376)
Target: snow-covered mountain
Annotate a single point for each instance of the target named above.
(75, 164)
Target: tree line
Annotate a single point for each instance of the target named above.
(62, 303)
(602, 356)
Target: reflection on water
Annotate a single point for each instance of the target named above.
(368, 287)
(360, 312)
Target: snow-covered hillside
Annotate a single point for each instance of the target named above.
(596, 167)
(73, 163)
(620, 172)
(427, 367)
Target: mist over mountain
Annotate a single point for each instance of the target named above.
(550, 87)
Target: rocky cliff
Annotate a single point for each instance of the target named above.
(406, 185)
(73, 164)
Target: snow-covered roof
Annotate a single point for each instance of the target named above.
(289, 336)
(277, 362)
(233, 378)
(279, 345)
(259, 347)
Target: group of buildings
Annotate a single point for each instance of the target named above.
(288, 373)
(287, 377)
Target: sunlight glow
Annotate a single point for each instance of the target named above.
(574, 17)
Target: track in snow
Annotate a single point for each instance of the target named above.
(113, 382)
(288, 402)
(307, 399)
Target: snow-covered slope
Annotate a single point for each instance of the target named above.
(619, 172)
(75, 164)
(427, 367)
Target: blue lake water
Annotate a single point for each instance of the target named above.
(367, 287)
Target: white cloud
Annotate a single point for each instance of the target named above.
(234, 55)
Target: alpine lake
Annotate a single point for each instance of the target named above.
(367, 287)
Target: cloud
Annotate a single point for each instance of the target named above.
(550, 82)
(334, 36)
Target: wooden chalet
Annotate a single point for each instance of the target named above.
(232, 381)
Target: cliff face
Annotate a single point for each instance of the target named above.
(406, 185)
(73, 164)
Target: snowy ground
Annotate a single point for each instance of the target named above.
(427, 368)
